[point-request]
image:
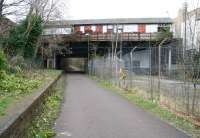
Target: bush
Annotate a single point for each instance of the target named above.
(3, 64)
(22, 39)
(17, 84)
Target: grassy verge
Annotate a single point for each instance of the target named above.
(13, 87)
(42, 125)
(164, 114)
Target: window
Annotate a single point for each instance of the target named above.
(57, 31)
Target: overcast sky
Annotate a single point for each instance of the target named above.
(94, 9)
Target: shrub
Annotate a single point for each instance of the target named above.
(2, 61)
(23, 38)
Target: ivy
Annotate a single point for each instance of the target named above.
(2, 61)
(23, 38)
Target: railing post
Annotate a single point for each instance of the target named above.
(159, 71)
(128, 36)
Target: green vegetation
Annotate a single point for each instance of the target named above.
(2, 61)
(19, 46)
(133, 96)
(22, 39)
(42, 124)
(20, 73)
(165, 33)
(18, 50)
(16, 86)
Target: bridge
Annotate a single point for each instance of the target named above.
(135, 29)
(83, 38)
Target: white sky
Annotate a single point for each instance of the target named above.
(94, 9)
(100, 9)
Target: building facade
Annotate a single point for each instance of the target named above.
(188, 29)
(131, 29)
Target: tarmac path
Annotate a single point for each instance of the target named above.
(89, 111)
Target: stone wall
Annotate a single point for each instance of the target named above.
(19, 117)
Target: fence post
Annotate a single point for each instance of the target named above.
(170, 61)
(150, 71)
(131, 70)
(159, 70)
(131, 65)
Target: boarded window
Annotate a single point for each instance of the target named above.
(77, 29)
(141, 28)
(99, 29)
(88, 29)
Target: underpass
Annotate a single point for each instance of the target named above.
(92, 112)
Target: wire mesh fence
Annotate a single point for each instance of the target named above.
(163, 74)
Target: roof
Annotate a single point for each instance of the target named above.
(121, 21)
(116, 21)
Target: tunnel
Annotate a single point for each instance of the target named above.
(74, 60)
(72, 64)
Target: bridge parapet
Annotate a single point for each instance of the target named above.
(99, 37)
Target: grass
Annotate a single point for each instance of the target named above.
(4, 102)
(42, 125)
(152, 107)
(13, 87)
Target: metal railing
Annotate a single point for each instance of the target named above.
(178, 87)
(105, 37)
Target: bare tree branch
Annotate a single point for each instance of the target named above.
(7, 8)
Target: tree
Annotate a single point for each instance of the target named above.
(46, 9)
(40, 12)
(8, 8)
(22, 41)
(190, 59)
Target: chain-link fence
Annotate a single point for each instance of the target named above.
(161, 73)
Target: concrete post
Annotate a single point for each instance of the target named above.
(170, 60)
(54, 60)
(47, 63)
